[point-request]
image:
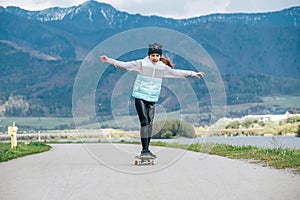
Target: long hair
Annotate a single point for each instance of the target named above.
(167, 61)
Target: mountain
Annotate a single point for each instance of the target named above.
(97, 21)
(41, 52)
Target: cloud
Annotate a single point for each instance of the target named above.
(260, 6)
(167, 8)
(202, 7)
(40, 4)
(194, 8)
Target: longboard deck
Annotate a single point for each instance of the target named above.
(144, 160)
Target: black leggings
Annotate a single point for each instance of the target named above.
(145, 112)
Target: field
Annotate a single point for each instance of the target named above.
(52, 123)
(285, 101)
(26, 124)
(35, 122)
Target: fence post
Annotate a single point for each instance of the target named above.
(12, 131)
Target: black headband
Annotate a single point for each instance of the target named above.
(155, 48)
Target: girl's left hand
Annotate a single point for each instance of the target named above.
(103, 58)
(199, 74)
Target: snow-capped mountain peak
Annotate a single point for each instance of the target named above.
(90, 8)
(93, 11)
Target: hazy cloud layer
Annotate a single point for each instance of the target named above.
(167, 8)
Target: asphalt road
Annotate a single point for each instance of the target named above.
(107, 171)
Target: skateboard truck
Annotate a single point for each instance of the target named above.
(144, 160)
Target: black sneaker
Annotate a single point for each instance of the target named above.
(151, 154)
(147, 153)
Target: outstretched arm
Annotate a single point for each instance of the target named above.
(130, 65)
(179, 73)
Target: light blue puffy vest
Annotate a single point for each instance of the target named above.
(148, 82)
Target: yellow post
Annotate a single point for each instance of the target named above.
(12, 131)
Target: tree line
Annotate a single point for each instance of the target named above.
(58, 101)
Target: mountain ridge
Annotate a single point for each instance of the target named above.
(258, 50)
(58, 13)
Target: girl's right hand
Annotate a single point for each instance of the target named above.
(103, 58)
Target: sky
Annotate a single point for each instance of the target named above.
(177, 9)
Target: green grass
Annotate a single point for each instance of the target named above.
(279, 158)
(282, 100)
(6, 153)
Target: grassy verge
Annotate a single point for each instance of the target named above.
(279, 158)
(6, 153)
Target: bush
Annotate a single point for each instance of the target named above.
(290, 128)
(172, 128)
(167, 135)
(233, 125)
(247, 123)
(293, 119)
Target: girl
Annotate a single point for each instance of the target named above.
(147, 86)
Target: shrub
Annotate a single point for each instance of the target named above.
(247, 123)
(172, 128)
(167, 135)
(233, 125)
(293, 119)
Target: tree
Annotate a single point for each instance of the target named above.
(16, 106)
(294, 111)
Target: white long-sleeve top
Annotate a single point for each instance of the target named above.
(147, 85)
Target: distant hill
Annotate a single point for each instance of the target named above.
(41, 51)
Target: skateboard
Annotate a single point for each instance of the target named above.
(144, 160)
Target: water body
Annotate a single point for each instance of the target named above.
(259, 141)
